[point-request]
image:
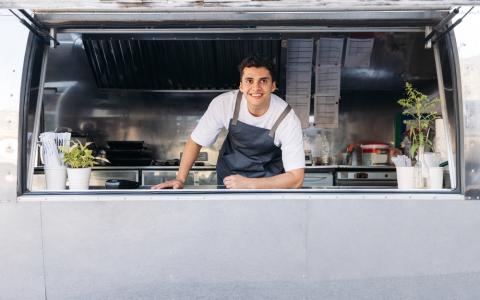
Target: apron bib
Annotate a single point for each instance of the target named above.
(248, 150)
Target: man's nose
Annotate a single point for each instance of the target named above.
(256, 85)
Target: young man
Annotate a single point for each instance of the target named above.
(264, 145)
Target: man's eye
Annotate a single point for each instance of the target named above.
(263, 81)
(249, 81)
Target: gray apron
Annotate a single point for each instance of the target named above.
(248, 150)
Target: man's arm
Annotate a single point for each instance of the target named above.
(190, 154)
(292, 179)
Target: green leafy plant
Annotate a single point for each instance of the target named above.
(78, 155)
(422, 112)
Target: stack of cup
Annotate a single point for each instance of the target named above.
(406, 178)
(435, 177)
(405, 172)
(56, 178)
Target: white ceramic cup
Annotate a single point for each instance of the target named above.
(55, 178)
(435, 177)
(406, 178)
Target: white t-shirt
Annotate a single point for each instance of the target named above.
(288, 135)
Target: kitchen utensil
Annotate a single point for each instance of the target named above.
(125, 145)
(139, 161)
(402, 161)
(121, 184)
(432, 159)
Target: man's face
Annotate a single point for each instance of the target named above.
(257, 85)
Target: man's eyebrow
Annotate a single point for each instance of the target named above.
(259, 78)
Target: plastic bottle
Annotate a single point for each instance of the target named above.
(324, 149)
(421, 171)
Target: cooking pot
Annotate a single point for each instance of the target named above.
(375, 154)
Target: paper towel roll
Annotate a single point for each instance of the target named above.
(439, 143)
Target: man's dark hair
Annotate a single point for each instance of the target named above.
(257, 61)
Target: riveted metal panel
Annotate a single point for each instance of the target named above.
(141, 5)
(469, 60)
(12, 54)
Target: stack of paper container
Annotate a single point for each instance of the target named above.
(299, 76)
(327, 82)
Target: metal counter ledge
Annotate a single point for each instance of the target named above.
(212, 168)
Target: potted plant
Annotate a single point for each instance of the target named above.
(422, 114)
(79, 160)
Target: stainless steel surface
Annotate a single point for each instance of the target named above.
(155, 118)
(36, 123)
(443, 104)
(366, 179)
(205, 177)
(316, 177)
(129, 62)
(366, 175)
(122, 7)
(163, 120)
(12, 55)
(468, 69)
(173, 33)
(316, 180)
(160, 176)
(97, 177)
(316, 14)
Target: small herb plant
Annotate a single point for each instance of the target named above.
(78, 155)
(422, 111)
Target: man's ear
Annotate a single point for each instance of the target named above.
(240, 87)
(274, 86)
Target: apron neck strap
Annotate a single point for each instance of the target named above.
(237, 108)
(279, 120)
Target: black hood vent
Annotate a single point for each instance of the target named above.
(172, 64)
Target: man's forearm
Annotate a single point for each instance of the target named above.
(289, 180)
(190, 154)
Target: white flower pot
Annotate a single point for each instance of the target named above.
(78, 178)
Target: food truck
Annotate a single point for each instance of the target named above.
(133, 78)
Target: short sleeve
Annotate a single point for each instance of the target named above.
(212, 121)
(290, 137)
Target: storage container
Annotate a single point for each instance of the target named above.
(375, 154)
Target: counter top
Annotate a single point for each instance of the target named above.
(212, 168)
(222, 187)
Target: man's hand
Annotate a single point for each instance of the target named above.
(171, 184)
(238, 182)
(292, 179)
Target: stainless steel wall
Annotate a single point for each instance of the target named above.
(163, 120)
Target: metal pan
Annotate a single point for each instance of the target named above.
(125, 145)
